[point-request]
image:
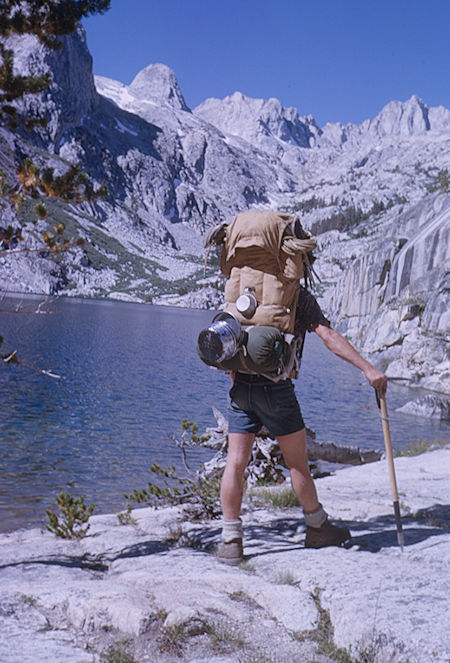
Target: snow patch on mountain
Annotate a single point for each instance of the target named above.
(156, 84)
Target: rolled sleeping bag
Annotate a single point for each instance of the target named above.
(265, 348)
(263, 352)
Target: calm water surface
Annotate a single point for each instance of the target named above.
(130, 375)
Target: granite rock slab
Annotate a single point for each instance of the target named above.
(155, 589)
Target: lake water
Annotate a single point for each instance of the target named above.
(130, 374)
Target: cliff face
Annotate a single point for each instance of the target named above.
(376, 194)
(169, 176)
(394, 300)
(71, 95)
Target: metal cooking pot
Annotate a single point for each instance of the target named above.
(221, 340)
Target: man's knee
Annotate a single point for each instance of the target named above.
(296, 458)
(239, 450)
(236, 464)
(293, 444)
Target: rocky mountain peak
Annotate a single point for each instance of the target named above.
(256, 120)
(158, 83)
(401, 118)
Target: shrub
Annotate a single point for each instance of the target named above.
(119, 653)
(201, 493)
(441, 182)
(72, 520)
(419, 447)
(198, 491)
(125, 517)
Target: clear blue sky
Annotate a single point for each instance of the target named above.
(338, 60)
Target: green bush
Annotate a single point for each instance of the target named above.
(119, 653)
(419, 447)
(441, 182)
(200, 493)
(197, 491)
(72, 520)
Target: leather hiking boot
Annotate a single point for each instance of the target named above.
(326, 535)
(231, 553)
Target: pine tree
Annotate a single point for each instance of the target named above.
(48, 20)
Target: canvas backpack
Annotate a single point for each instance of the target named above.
(264, 256)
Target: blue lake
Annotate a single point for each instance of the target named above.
(130, 374)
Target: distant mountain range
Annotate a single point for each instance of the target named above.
(376, 195)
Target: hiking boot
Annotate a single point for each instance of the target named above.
(326, 535)
(231, 553)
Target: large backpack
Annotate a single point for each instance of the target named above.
(264, 256)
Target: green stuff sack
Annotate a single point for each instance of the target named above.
(265, 348)
(263, 353)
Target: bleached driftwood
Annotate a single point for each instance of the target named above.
(266, 448)
(335, 453)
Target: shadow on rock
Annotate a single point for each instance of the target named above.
(376, 541)
(431, 521)
(90, 562)
(142, 549)
(95, 562)
(280, 535)
(286, 534)
(438, 515)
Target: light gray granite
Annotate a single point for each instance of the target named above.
(157, 585)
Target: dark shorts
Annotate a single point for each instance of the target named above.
(256, 401)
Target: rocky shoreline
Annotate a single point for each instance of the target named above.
(153, 590)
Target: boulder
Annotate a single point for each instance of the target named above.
(429, 407)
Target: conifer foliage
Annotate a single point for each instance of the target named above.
(47, 20)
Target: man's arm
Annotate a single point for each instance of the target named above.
(342, 348)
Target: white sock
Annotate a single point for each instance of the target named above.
(231, 530)
(315, 518)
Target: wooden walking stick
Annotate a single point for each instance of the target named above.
(381, 402)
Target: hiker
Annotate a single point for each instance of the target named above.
(263, 360)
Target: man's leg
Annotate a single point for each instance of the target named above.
(232, 485)
(319, 531)
(231, 490)
(293, 448)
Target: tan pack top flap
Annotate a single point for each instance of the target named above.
(256, 228)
